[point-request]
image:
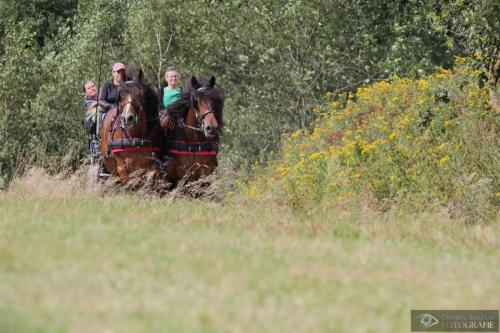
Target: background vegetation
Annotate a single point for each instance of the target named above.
(275, 59)
(285, 66)
(424, 144)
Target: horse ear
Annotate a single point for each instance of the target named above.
(140, 76)
(212, 81)
(194, 82)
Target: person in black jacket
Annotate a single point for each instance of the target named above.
(109, 96)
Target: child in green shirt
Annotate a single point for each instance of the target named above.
(172, 92)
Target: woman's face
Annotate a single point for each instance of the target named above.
(172, 78)
(90, 89)
(117, 76)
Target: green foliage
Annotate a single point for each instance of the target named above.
(275, 60)
(19, 66)
(47, 16)
(473, 28)
(421, 144)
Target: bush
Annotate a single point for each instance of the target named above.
(424, 144)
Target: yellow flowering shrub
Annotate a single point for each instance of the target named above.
(426, 143)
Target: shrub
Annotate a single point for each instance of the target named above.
(424, 144)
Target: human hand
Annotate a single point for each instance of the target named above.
(166, 121)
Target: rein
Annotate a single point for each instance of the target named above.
(193, 128)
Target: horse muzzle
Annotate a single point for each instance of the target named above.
(210, 131)
(128, 120)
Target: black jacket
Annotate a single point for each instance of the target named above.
(109, 96)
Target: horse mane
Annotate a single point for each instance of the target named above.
(181, 106)
(215, 97)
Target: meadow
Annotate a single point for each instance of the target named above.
(72, 260)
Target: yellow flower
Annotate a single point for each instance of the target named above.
(441, 146)
(283, 171)
(317, 155)
(316, 135)
(296, 134)
(423, 84)
(334, 104)
(443, 160)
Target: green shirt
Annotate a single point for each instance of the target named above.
(170, 96)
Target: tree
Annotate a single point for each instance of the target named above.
(473, 28)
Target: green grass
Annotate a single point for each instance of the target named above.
(82, 263)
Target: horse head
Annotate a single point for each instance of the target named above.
(207, 103)
(138, 103)
(130, 106)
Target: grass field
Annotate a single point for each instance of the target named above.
(77, 262)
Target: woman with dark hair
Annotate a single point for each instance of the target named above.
(90, 91)
(90, 107)
(109, 96)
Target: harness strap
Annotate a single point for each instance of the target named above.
(134, 144)
(181, 147)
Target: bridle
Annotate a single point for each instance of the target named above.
(198, 115)
(131, 83)
(121, 107)
(136, 113)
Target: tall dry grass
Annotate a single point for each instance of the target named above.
(38, 183)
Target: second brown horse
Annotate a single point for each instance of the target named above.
(193, 144)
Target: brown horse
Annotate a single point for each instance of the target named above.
(131, 135)
(193, 143)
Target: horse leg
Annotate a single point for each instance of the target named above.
(151, 176)
(122, 170)
(110, 165)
